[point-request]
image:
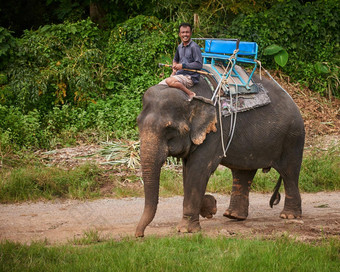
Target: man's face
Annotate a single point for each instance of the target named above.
(185, 34)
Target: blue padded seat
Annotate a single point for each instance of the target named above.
(224, 49)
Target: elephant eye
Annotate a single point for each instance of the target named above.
(171, 133)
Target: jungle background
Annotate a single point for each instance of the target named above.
(72, 77)
(75, 71)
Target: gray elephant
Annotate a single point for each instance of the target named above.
(269, 136)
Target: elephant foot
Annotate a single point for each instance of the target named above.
(290, 215)
(235, 215)
(238, 208)
(208, 208)
(187, 226)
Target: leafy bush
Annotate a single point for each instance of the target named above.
(134, 49)
(70, 79)
(7, 43)
(20, 129)
(305, 31)
(57, 64)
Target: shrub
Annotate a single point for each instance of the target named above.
(21, 129)
(305, 31)
(7, 43)
(57, 64)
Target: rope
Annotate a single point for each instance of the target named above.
(233, 115)
(259, 62)
(227, 71)
(233, 118)
(230, 62)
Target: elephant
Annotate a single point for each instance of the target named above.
(271, 136)
(208, 207)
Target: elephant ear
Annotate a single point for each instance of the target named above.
(202, 119)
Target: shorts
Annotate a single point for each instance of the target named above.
(185, 80)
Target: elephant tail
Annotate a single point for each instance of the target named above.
(276, 197)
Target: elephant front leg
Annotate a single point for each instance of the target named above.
(239, 201)
(195, 179)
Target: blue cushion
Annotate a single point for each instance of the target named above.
(228, 48)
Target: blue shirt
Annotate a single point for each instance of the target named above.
(191, 58)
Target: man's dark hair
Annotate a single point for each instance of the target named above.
(185, 25)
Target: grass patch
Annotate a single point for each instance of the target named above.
(221, 181)
(36, 182)
(320, 172)
(89, 237)
(189, 253)
(171, 183)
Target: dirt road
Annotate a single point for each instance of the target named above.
(61, 221)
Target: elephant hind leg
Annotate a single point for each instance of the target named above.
(292, 206)
(239, 201)
(289, 168)
(290, 175)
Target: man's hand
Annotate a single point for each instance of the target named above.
(177, 66)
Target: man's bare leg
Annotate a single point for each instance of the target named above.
(172, 82)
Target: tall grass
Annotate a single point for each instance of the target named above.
(189, 253)
(36, 182)
(320, 172)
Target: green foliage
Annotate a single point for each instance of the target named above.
(279, 53)
(308, 33)
(7, 44)
(75, 79)
(220, 181)
(19, 129)
(134, 47)
(89, 237)
(331, 75)
(211, 16)
(171, 183)
(321, 68)
(68, 10)
(57, 64)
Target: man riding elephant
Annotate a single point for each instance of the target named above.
(188, 56)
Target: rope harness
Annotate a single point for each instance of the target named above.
(233, 114)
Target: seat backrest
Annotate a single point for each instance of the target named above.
(220, 46)
(228, 47)
(248, 49)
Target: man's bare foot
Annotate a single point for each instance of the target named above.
(191, 96)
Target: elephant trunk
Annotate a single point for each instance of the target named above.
(152, 159)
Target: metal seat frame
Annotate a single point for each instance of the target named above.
(233, 51)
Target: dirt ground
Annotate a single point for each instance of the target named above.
(62, 221)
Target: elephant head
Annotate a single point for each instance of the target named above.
(169, 125)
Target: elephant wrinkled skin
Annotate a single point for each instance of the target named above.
(269, 136)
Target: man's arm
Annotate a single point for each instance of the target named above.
(175, 65)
